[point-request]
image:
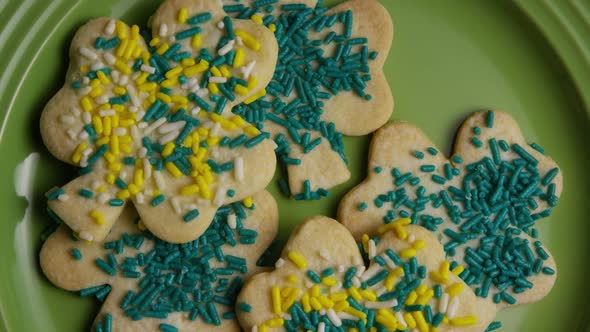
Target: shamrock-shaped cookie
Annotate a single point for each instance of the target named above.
(159, 286)
(482, 203)
(328, 82)
(321, 284)
(153, 123)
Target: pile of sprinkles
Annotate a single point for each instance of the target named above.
(396, 293)
(491, 207)
(145, 112)
(190, 278)
(306, 75)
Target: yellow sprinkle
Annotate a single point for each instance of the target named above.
(238, 120)
(424, 298)
(438, 277)
(365, 241)
(168, 149)
(86, 104)
(297, 259)
(182, 15)
(315, 291)
(421, 289)
(172, 169)
(248, 40)
(110, 178)
(340, 296)
(137, 52)
(123, 67)
(418, 244)
(276, 299)
(101, 189)
(122, 47)
(454, 289)
(412, 297)
(315, 304)
(275, 322)
(155, 42)
(341, 305)
(142, 78)
(458, 270)
(357, 313)
(255, 96)
(241, 90)
(248, 202)
(389, 281)
(179, 100)
(213, 141)
(290, 299)
(187, 62)
(189, 190)
(420, 321)
(213, 88)
(84, 69)
(77, 155)
(293, 279)
(163, 48)
(305, 303)
(407, 253)
(118, 90)
(103, 78)
(252, 82)
(174, 72)
(225, 71)
(325, 302)
(115, 167)
(151, 86)
(400, 232)
(368, 294)
(196, 41)
(263, 328)
(97, 216)
(164, 97)
(353, 291)
(115, 145)
(329, 281)
(138, 177)
(123, 194)
(169, 83)
(239, 58)
(464, 321)
(256, 18)
(215, 71)
(133, 189)
(121, 30)
(272, 27)
(409, 318)
(126, 148)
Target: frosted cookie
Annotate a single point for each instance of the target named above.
(321, 284)
(151, 285)
(482, 203)
(152, 123)
(328, 82)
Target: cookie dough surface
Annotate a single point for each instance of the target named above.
(321, 282)
(482, 203)
(150, 123)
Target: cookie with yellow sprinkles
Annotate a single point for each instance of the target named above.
(328, 83)
(147, 119)
(322, 284)
(151, 285)
(483, 203)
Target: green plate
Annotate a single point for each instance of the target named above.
(531, 58)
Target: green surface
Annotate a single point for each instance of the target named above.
(449, 58)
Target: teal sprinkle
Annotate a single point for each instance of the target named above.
(490, 119)
(377, 169)
(427, 168)
(548, 271)
(167, 328)
(76, 254)
(245, 307)
(457, 159)
(537, 147)
(476, 130)
(54, 194)
(362, 206)
(432, 151)
(231, 193)
(86, 193)
(199, 18)
(157, 200)
(191, 215)
(476, 142)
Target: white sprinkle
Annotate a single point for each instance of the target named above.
(170, 127)
(84, 162)
(103, 99)
(226, 48)
(142, 152)
(96, 184)
(85, 91)
(219, 196)
(86, 236)
(104, 113)
(358, 261)
(340, 268)
(120, 131)
(356, 282)
(324, 254)
(135, 133)
(372, 249)
(239, 41)
(334, 318)
(83, 135)
(247, 70)
(97, 65)
(110, 28)
(345, 315)
(103, 198)
(360, 270)
(411, 238)
(371, 272)
(453, 306)
(133, 109)
(85, 81)
(147, 169)
(255, 328)
(217, 79)
(88, 53)
(87, 152)
(115, 74)
(321, 327)
(148, 69)
(159, 181)
(308, 283)
(140, 199)
(75, 111)
(220, 25)
(195, 111)
(138, 118)
(381, 291)
(380, 305)
(63, 197)
(163, 30)
(72, 134)
(169, 137)
(388, 261)
(280, 262)
(202, 93)
(322, 312)
(176, 205)
(194, 82)
(148, 192)
(400, 318)
(110, 59)
(67, 119)
(172, 39)
(87, 118)
(203, 202)
(124, 80)
(443, 303)
(149, 129)
(232, 221)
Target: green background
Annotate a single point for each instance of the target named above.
(449, 58)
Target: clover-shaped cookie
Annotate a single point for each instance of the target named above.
(158, 285)
(482, 203)
(328, 82)
(321, 284)
(153, 123)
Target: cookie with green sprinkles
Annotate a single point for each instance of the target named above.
(148, 284)
(146, 116)
(329, 82)
(321, 283)
(483, 203)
